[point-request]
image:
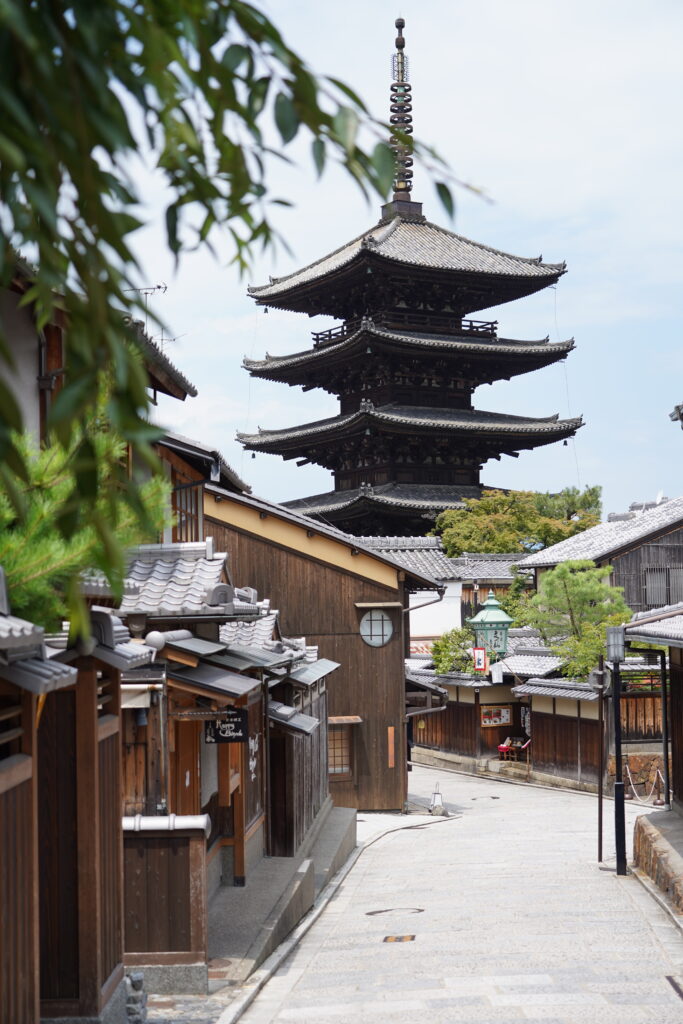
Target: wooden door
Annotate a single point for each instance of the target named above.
(186, 764)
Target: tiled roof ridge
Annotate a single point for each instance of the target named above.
(494, 556)
(448, 496)
(604, 538)
(432, 543)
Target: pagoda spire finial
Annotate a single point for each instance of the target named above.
(401, 118)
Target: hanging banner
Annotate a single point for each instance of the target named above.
(231, 727)
(480, 660)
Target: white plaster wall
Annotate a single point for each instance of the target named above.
(20, 334)
(435, 619)
(209, 770)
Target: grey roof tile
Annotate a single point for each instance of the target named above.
(528, 663)
(291, 718)
(249, 634)
(452, 420)
(157, 357)
(465, 345)
(422, 497)
(38, 675)
(422, 554)
(15, 632)
(600, 541)
(417, 244)
(472, 566)
(571, 689)
(660, 625)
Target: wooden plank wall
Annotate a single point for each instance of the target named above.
(566, 747)
(17, 953)
(316, 600)
(110, 855)
(453, 730)
(664, 552)
(676, 724)
(298, 781)
(58, 848)
(641, 717)
(156, 893)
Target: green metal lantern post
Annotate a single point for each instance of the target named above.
(491, 626)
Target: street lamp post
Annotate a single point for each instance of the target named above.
(616, 654)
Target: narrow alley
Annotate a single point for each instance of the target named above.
(504, 914)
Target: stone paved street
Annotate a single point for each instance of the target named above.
(511, 916)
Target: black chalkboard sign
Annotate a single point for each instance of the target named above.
(231, 727)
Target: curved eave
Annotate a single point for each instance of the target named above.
(319, 295)
(298, 367)
(416, 243)
(508, 432)
(356, 502)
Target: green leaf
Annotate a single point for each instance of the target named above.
(172, 228)
(446, 197)
(384, 163)
(85, 469)
(318, 150)
(234, 56)
(346, 128)
(286, 117)
(353, 96)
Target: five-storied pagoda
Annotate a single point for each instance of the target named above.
(405, 361)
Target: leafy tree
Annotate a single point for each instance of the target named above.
(572, 609)
(197, 85)
(452, 652)
(517, 520)
(516, 600)
(42, 567)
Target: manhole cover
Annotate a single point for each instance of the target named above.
(395, 910)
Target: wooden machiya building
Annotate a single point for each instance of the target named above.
(405, 362)
(61, 947)
(643, 546)
(352, 603)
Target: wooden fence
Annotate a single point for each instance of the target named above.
(165, 899)
(641, 717)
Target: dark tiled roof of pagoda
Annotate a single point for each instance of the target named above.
(419, 497)
(417, 243)
(452, 421)
(275, 367)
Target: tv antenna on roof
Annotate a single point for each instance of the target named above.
(148, 290)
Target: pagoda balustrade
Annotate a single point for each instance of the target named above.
(414, 322)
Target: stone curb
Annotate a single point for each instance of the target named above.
(259, 979)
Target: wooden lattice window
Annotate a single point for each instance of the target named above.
(663, 586)
(339, 750)
(11, 728)
(187, 508)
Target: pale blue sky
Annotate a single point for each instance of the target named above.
(568, 115)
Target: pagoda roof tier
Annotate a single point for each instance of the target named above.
(468, 275)
(484, 430)
(497, 357)
(428, 499)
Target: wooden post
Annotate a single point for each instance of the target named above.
(87, 823)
